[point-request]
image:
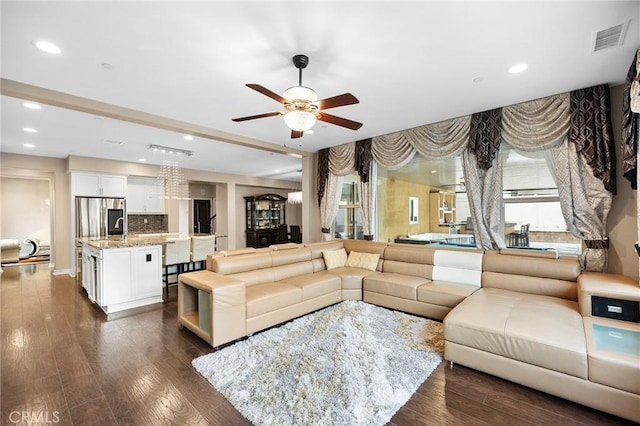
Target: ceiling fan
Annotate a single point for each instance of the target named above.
(302, 107)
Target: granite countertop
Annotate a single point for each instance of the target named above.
(123, 242)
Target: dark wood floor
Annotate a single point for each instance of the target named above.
(63, 359)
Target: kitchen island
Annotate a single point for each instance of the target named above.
(122, 273)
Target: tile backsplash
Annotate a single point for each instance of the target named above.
(154, 223)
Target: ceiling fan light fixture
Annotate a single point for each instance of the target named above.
(300, 93)
(300, 121)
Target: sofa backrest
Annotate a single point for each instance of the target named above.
(316, 252)
(460, 265)
(464, 267)
(289, 263)
(264, 266)
(409, 259)
(533, 273)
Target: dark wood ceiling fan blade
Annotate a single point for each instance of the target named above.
(253, 117)
(267, 92)
(339, 121)
(337, 101)
(296, 134)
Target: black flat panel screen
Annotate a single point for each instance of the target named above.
(625, 310)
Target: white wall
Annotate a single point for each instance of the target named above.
(26, 208)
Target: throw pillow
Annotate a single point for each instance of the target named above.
(368, 261)
(334, 258)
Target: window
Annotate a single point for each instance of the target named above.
(530, 197)
(348, 223)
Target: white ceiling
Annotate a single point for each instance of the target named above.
(409, 63)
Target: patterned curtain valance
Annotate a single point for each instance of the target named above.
(630, 128)
(435, 141)
(342, 159)
(530, 126)
(592, 134)
(392, 151)
(441, 140)
(364, 159)
(486, 136)
(538, 124)
(323, 173)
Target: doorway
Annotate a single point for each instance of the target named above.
(202, 216)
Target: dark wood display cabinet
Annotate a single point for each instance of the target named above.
(265, 214)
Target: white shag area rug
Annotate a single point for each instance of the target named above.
(349, 364)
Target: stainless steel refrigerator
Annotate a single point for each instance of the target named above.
(98, 218)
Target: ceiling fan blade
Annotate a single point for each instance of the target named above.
(337, 101)
(296, 134)
(253, 117)
(339, 121)
(267, 92)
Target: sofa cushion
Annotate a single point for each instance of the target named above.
(398, 285)
(351, 277)
(334, 258)
(445, 293)
(368, 261)
(539, 330)
(314, 285)
(267, 297)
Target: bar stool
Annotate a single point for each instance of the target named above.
(201, 246)
(177, 252)
(520, 238)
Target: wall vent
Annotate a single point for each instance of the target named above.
(610, 37)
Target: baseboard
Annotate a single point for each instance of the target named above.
(60, 271)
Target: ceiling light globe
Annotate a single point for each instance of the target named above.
(300, 93)
(47, 47)
(300, 121)
(518, 68)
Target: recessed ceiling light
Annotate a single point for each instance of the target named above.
(31, 105)
(48, 47)
(29, 145)
(478, 79)
(277, 171)
(309, 132)
(188, 137)
(29, 130)
(518, 68)
(107, 66)
(142, 160)
(434, 171)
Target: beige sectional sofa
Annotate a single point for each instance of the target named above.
(522, 315)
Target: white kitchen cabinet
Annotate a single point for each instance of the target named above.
(97, 185)
(117, 285)
(147, 273)
(123, 278)
(91, 271)
(144, 196)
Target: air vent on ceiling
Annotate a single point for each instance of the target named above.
(113, 142)
(610, 37)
